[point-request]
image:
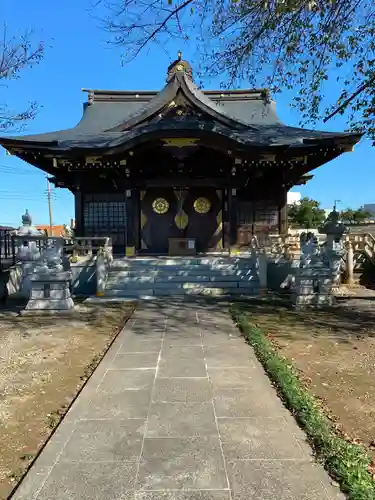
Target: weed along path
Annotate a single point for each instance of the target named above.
(178, 409)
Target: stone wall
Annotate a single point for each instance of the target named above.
(280, 274)
(84, 281)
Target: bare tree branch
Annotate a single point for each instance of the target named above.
(16, 54)
(346, 103)
(174, 12)
(286, 45)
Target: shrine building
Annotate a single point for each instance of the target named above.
(151, 167)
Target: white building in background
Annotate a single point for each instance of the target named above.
(369, 207)
(293, 198)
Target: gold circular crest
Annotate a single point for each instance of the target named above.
(160, 206)
(202, 205)
(179, 67)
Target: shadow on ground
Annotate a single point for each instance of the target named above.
(351, 317)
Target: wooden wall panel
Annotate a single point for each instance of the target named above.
(104, 214)
(256, 217)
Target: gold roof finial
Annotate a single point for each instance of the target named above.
(179, 55)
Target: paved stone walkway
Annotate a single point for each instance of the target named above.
(179, 409)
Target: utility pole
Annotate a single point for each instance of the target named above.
(49, 197)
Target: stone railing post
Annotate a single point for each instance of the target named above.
(259, 257)
(262, 271)
(101, 273)
(104, 260)
(349, 263)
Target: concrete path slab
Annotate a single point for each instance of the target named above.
(179, 409)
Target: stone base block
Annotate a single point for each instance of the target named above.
(48, 304)
(313, 300)
(314, 272)
(54, 293)
(48, 312)
(309, 289)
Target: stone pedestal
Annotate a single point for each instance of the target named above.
(313, 287)
(50, 293)
(28, 269)
(334, 250)
(334, 258)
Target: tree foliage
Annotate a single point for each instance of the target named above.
(16, 54)
(307, 214)
(296, 45)
(355, 216)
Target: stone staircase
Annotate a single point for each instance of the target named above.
(158, 276)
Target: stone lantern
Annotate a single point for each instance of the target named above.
(334, 248)
(27, 250)
(50, 284)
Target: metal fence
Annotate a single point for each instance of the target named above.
(7, 248)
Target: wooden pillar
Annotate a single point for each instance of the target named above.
(226, 222)
(283, 213)
(136, 218)
(233, 214)
(129, 208)
(132, 221)
(78, 214)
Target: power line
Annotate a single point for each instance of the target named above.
(27, 193)
(29, 174)
(31, 170)
(26, 197)
(23, 166)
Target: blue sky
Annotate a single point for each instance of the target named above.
(77, 56)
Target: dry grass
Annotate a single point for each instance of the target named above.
(334, 353)
(43, 364)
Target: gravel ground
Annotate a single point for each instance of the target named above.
(334, 351)
(43, 363)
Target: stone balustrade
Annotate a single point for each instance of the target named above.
(76, 246)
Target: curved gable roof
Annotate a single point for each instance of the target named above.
(180, 82)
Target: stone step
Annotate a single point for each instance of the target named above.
(129, 293)
(183, 265)
(122, 263)
(115, 279)
(118, 280)
(181, 271)
(253, 291)
(175, 286)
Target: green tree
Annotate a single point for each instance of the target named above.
(355, 216)
(347, 215)
(295, 45)
(360, 215)
(307, 214)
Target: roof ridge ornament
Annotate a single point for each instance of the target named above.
(179, 66)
